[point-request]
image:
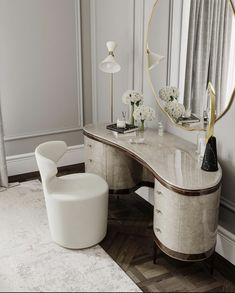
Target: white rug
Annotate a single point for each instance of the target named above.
(30, 261)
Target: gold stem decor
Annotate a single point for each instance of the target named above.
(212, 118)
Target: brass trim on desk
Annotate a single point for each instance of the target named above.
(185, 192)
(184, 256)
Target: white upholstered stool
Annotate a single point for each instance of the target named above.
(77, 204)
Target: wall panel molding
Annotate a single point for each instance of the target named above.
(226, 244)
(44, 133)
(79, 102)
(139, 47)
(26, 163)
(93, 60)
(126, 47)
(227, 204)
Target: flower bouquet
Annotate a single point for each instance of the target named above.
(133, 99)
(143, 113)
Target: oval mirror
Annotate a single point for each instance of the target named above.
(189, 44)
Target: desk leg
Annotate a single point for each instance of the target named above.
(156, 252)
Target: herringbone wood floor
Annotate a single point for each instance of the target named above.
(129, 242)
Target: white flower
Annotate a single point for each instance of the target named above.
(175, 109)
(169, 93)
(132, 97)
(144, 113)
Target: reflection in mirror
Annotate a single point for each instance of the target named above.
(197, 38)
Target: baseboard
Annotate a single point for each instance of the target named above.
(226, 244)
(26, 163)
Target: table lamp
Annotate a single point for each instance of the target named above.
(109, 65)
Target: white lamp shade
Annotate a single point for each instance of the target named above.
(109, 65)
(154, 59)
(111, 45)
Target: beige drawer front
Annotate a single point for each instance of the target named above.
(95, 159)
(166, 218)
(186, 224)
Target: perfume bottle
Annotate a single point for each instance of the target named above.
(205, 118)
(201, 144)
(160, 128)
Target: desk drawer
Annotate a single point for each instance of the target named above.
(95, 159)
(186, 224)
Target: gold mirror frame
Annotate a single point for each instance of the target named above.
(152, 86)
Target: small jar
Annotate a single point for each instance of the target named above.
(160, 129)
(121, 123)
(201, 144)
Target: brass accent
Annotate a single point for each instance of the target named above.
(212, 117)
(181, 191)
(146, 49)
(111, 53)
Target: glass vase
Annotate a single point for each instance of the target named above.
(142, 125)
(131, 118)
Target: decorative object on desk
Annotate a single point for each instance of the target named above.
(175, 109)
(133, 99)
(139, 140)
(124, 135)
(121, 123)
(143, 113)
(187, 113)
(160, 128)
(190, 119)
(205, 118)
(128, 128)
(210, 162)
(201, 144)
(109, 65)
(169, 94)
(153, 59)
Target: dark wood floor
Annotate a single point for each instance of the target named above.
(129, 242)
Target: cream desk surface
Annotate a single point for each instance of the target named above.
(171, 160)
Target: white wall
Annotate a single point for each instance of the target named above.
(111, 20)
(40, 73)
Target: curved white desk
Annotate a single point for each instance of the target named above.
(186, 198)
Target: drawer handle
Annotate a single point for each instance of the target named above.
(90, 145)
(90, 160)
(159, 192)
(158, 230)
(158, 211)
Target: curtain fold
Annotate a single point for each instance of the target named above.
(207, 53)
(3, 165)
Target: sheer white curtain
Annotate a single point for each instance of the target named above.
(209, 42)
(3, 166)
(231, 70)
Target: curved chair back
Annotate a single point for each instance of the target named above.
(47, 155)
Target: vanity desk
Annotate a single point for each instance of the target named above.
(186, 198)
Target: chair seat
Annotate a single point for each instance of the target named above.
(78, 186)
(77, 204)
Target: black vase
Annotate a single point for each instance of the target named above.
(210, 162)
